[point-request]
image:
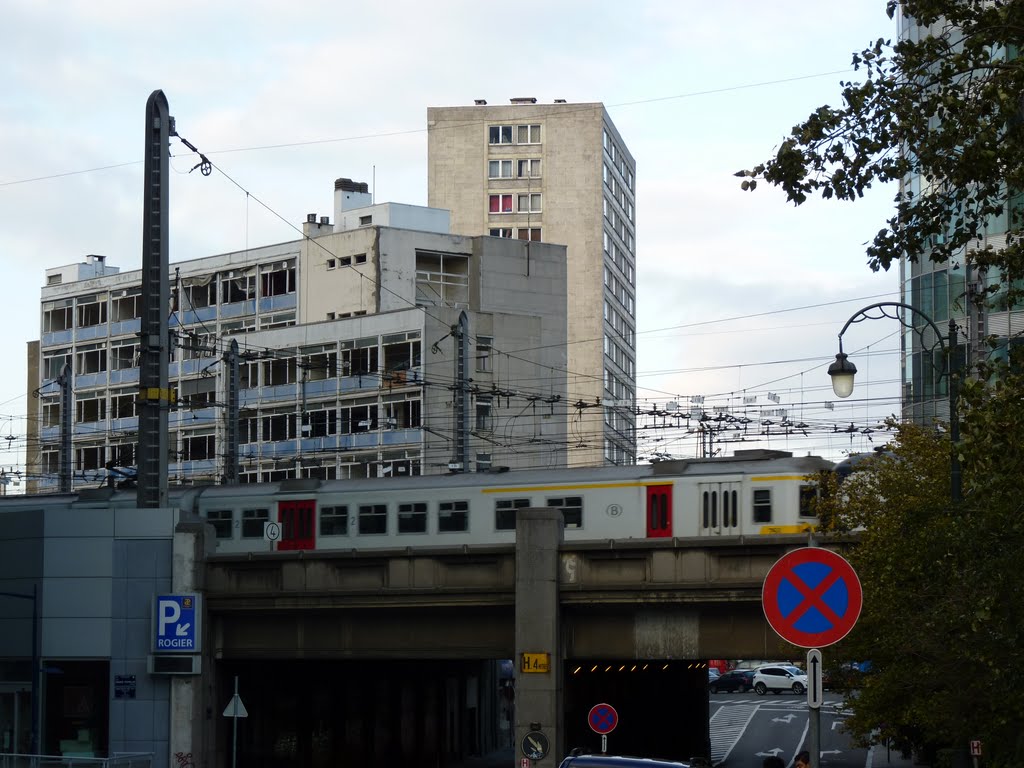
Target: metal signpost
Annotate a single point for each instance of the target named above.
(812, 598)
(602, 720)
(235, 709)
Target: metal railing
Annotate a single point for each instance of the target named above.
(119, 760)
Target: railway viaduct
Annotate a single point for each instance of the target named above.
(542, 601)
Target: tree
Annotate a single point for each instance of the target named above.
(941, 622)
(941, 112)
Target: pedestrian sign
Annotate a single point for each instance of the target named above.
(177, 623)
(812, 597)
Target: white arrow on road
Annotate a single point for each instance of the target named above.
(182, 630)
(831, 752)
(769, 753)
(787, 719)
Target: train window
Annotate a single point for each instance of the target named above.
(373, 519)
(762, 505)
(734, 495)
(220, 519)
(707, 512)
(252, 523)
(807, 495)
(334, 521)
(505, 513)
(452, 516)
(572, 510)
(714, 509)
(412, 517)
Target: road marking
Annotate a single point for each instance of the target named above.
(730, 722)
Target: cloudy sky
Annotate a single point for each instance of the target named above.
(740, 296)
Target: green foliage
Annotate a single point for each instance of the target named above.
(942, 620)
(946, 107)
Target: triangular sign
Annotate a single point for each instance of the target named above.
(235, 707)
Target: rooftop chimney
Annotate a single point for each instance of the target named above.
(311, 218)
(524, 100)
(559, 101)
(480, 102)
(347, 185)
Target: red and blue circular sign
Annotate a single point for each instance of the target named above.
(812, 597)
(602, 718)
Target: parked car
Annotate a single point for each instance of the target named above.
(778, 678)
(713, 674)
(741, 680)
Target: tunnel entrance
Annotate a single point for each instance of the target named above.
(321, 714)
(662, 706)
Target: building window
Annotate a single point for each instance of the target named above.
(528, 169)
(499, 169)
(453, 516)
(373, 519)
(252, 523)
(278, 279)
(359, 356)
(357, 416)
(90, 457)
(53, 362)
(505, 513)
(331, 263)
(51, 412)
(320, 423)
(334, 521)
(220, 519)
(124, 355)
(412, 517)
(237, 289)
(527, 134)
(483, 352)
(360, 258)
(530, 203)
(365, 221)
(280, 371)
(484, 415)
(500, 203)
(572, 510)
(483, 462)
(197, 447)
(278, 426)
(762, 506)
(529, 233)
(442, 278)
(90, 406)
(499, 134)
(501, 232)
(57, 316)
(92, 310)
(199, 293)
(122, 404)
(91, 359)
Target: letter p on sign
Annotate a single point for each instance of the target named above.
(169, 613)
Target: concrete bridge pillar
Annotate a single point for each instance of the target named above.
(538, 699)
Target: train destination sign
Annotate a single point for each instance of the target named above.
(812, 597)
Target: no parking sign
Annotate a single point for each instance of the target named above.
(812, 597)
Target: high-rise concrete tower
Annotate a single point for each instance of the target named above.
(557, 173)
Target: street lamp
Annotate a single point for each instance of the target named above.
(34, 597)
(843, 371)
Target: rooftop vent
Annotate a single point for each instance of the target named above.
(524, 100)
(347, 185)
(311, 218)
(325, 220)
(480, 102)
(559, 101)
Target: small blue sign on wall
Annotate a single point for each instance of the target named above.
(177, 623)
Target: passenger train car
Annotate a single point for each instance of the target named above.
(751, 493)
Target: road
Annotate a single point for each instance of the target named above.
(745, 728)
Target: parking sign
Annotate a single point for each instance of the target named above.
(177, 623)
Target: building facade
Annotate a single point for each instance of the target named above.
(352, 361)
(976, 300)
(557, 173)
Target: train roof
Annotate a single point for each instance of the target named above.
(742, 463)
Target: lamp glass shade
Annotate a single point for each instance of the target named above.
(842, 372)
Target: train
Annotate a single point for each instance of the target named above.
(750, 493)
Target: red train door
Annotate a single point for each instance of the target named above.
(297, 526)
(659, 511)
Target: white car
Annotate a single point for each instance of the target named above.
(778, 678)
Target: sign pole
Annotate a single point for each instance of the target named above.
(814, 734)
(234, 728)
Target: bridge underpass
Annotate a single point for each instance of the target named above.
(416, 638)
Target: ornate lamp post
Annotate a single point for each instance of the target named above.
(843, 371)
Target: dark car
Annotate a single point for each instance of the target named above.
(741, 680)
(611, 761)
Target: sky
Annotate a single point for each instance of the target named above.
(740, 296)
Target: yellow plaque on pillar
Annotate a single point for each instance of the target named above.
(535, 662)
